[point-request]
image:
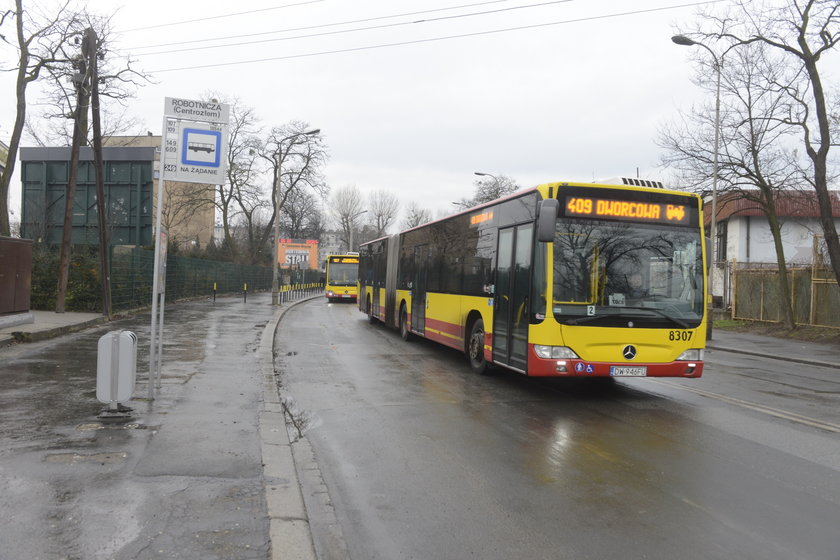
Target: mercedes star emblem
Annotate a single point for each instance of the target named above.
(629, 352)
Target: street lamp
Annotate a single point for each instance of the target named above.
(480, 174)
(351, 220)
(275, 285)
(496, 184)
(684, 41)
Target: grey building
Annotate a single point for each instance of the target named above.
(129, 175)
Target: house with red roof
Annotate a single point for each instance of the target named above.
(743, 229)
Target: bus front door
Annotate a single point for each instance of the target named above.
(418, 290)
(511, 304)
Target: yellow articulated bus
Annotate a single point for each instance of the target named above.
(563, 279)
(342, 277)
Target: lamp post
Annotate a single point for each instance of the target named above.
(275, 285)
(352, 220)
(495, 181)
(684, 41)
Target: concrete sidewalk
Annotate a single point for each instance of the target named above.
(48, 324)
(289, 532)
(791, 350)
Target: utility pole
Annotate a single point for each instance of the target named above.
(104, 242)
(81, 79)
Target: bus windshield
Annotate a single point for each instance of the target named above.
(343, 274)
(608, 273)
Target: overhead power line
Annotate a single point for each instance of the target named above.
(208, 18)
(321, 26)
(434, 39)
(358, 29)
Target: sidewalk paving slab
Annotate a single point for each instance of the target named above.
(822, 354)
(290, 536)
(49, 324)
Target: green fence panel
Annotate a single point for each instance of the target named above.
(186, 277)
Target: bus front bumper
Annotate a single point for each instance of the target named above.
(338, 295)
(546, 367)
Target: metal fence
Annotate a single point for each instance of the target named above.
(186, 277)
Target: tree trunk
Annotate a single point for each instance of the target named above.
(20, 119)
(79, 136)
(819, 158)
(104, 242)
(784, 285)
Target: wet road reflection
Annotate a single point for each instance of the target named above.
(416, 449)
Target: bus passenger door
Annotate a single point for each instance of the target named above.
(511, 306)
(378, 265)
(418, 290)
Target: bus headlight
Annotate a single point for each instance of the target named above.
(691, 355)
(555, 352)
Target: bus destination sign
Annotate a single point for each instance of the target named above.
(351, 260)
(640, 211)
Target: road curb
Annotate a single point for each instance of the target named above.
(804, 361)
(289, 531)
(24, 335)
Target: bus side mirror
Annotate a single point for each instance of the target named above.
(546, 218)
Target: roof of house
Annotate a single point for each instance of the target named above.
(789, 204)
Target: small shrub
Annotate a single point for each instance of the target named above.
(83, 283)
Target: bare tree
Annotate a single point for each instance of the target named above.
(254, 212)
(40, 38)
(47, 44)
(346, 205)
(302, 216)
(415, 216)
(487, 188)
(117, 81)
(45, 130)
(243, 170)
(295, 154)
(754, 160)
(182, 203)
(802, 31)
(383, 208)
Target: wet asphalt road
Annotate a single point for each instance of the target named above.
(410, 455)
(75, 488)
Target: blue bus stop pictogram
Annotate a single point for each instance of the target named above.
(201, 147)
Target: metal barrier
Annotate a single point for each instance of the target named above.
(186, 277)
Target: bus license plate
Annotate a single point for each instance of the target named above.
(628, 371)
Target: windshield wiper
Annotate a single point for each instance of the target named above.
(586, 319)
(661, 313)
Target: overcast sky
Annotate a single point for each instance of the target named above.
(414, 96)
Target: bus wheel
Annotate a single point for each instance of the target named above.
(405, 334)
(475, 349)
(371, 318)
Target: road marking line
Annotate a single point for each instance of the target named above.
(792, 416)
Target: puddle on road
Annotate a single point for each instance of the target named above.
(75, 458)
(100, 426)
